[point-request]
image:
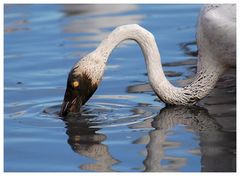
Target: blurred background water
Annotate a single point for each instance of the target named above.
(124, 127)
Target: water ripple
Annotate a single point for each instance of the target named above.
(104, 114)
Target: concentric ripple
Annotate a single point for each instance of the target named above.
(98, 114)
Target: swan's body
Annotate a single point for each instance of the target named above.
(216, 40)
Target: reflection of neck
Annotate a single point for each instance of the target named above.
(199, 88)
(196, 118)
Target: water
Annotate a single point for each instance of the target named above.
(123, 127)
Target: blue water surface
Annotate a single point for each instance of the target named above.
(123, 127)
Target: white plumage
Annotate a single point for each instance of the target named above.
(216, 41)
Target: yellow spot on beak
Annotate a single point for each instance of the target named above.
(75, 84)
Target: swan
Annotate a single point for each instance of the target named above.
(216, 41)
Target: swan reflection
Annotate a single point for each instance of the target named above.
(214, 144)
(87, 142)
(195, 119)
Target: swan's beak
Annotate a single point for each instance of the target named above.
(71, 103)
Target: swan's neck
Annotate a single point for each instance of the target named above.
(200, 87)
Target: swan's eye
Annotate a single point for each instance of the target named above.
(75, 84)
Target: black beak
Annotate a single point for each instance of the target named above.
(70, 104)
(64, 109)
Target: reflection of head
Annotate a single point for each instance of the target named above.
(84, 140)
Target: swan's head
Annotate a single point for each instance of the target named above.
(82, 82)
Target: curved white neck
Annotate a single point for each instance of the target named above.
(199, 88)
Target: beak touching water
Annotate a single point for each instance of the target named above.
(71, 103)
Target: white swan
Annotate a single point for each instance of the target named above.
(216, 41)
